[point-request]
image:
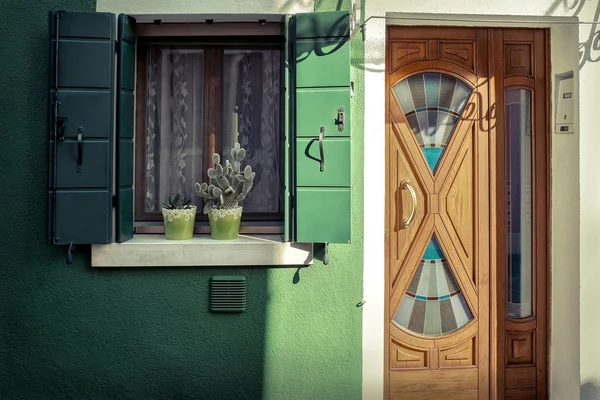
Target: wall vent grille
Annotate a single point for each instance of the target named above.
(228, 293)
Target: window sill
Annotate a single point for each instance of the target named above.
(151, 250)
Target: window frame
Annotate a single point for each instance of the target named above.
(232, 35)
(106, 221)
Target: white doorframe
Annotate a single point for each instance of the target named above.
(564, 314)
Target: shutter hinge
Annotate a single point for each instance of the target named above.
(292, 201)
(114, 201)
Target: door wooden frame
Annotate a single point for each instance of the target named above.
(541, 184)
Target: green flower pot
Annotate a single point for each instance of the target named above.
(225, 224)
(179, 224)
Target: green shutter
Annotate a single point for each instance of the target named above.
(82, 108)
(322, 143)
(288, 122)
(125, 126)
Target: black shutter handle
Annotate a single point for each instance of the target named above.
(321, 151)
(80, 149)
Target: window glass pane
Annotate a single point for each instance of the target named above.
(519, 195)
(174, 113)
(251, 116)
(173, 123)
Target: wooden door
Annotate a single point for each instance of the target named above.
(467, 169)
(438, 214)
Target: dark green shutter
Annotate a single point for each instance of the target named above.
(125, 124)
(322, 104)
(82, 106)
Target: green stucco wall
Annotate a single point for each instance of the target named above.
(73, 332)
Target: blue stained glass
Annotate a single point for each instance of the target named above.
(432, 156)
(433, 251)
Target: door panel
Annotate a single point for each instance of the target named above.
(456, 198)
(403, 170)
(438, 334)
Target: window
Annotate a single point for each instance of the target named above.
(127, 130)
(197, 99)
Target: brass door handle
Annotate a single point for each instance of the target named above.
(405, 184)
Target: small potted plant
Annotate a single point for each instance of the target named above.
(179, 216)
(228, 186)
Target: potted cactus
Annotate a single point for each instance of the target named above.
(179, 216)
(228, 186)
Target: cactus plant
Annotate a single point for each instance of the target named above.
(229, 184)
(178, 201)
(179, 217)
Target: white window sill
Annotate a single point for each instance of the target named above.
(153, 250)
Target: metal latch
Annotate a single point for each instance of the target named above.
(60, 127)
(340, 119)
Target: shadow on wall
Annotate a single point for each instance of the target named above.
(589, 50)
(70, 331)
(320, 5)
(590, 391)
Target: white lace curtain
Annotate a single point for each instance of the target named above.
(174, 122)
(251, 107)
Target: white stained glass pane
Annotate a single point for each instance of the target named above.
(404, 312)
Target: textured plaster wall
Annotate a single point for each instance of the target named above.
(73, 332)
(575, 192)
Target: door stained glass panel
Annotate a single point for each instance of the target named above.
(432, 104)
(433, 304)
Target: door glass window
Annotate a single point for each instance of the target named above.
(432, 104)
(433, 304)
(519, 197)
